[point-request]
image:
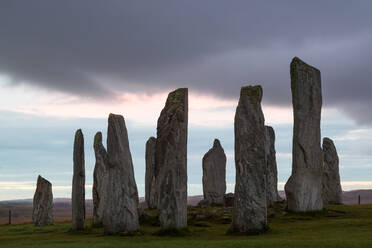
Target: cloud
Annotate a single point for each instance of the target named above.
(99, 50)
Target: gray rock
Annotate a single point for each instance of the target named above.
(121, 201)
(332, 191)
(78, 183)
(99, 179)
(150, 179)
(214, 174)
(42, 214)
(171, 161)
(304, 187)
(272, 171)
(204, 203)
(228, 200)
(249, 216)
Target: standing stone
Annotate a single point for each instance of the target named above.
(249, 216)
(304, 187)
(150, 178)
(78, 183)
(214, 174)
(332, 191)
(171, 161)
(272, 171)
(42, 214)
(121, 201)
(99, 180)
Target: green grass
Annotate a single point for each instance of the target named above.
(336, 226)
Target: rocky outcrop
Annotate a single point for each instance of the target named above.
(171, 161)
(150, 178)
(332, 191)
(42, 214)
(121, 203)
(272, 171)
(99, 179)
(249, 216)
(78, 183)
(304, 187)
(214, 174)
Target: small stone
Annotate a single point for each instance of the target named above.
(214, 174)
(272, 171)
(304, 187)
(99, 179)
(78, 184)
(171, 161)
(150, 178)
(42, 214)
(228, 200)
(249, 215)
(121, 201)
(332, 191)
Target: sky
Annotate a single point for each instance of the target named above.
(66, 65)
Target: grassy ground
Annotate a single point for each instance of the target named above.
(337, 226)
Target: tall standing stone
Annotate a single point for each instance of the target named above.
(42, 214)
(99, 180)
(332, 191)
(214, 174)
(249, 215)
(304, 187)
(171, 161)
(272, 171)
(121, 203)
(150, 177)
(78, 183)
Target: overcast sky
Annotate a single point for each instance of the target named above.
(66, 64)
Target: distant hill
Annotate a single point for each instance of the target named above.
(22, 209)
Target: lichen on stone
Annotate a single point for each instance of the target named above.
(176, 98)
(254, 93)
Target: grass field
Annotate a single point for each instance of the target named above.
(337, 226)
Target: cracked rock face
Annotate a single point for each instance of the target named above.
(272, 171)
(42, 214)
(99, 180)
(249, 216)
(78, 183)
(171, 161)
(304, 187)
(332, 191)
(121, 201)
(150, 178)
(214, 174)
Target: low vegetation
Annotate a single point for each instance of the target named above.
(336, 226)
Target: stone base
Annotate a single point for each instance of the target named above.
(304, 192)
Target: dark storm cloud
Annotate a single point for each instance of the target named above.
(96, 48)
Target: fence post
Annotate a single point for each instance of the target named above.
(10, 216)
(358, 199)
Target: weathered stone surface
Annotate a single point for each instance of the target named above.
(42, 213)
(171, 161)
(150, 178)
(99, 179)
(121, 201)
(272, 171)
(214, 174)
(249, 216)
(78, 183)
(304, 187)
(332, 191)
